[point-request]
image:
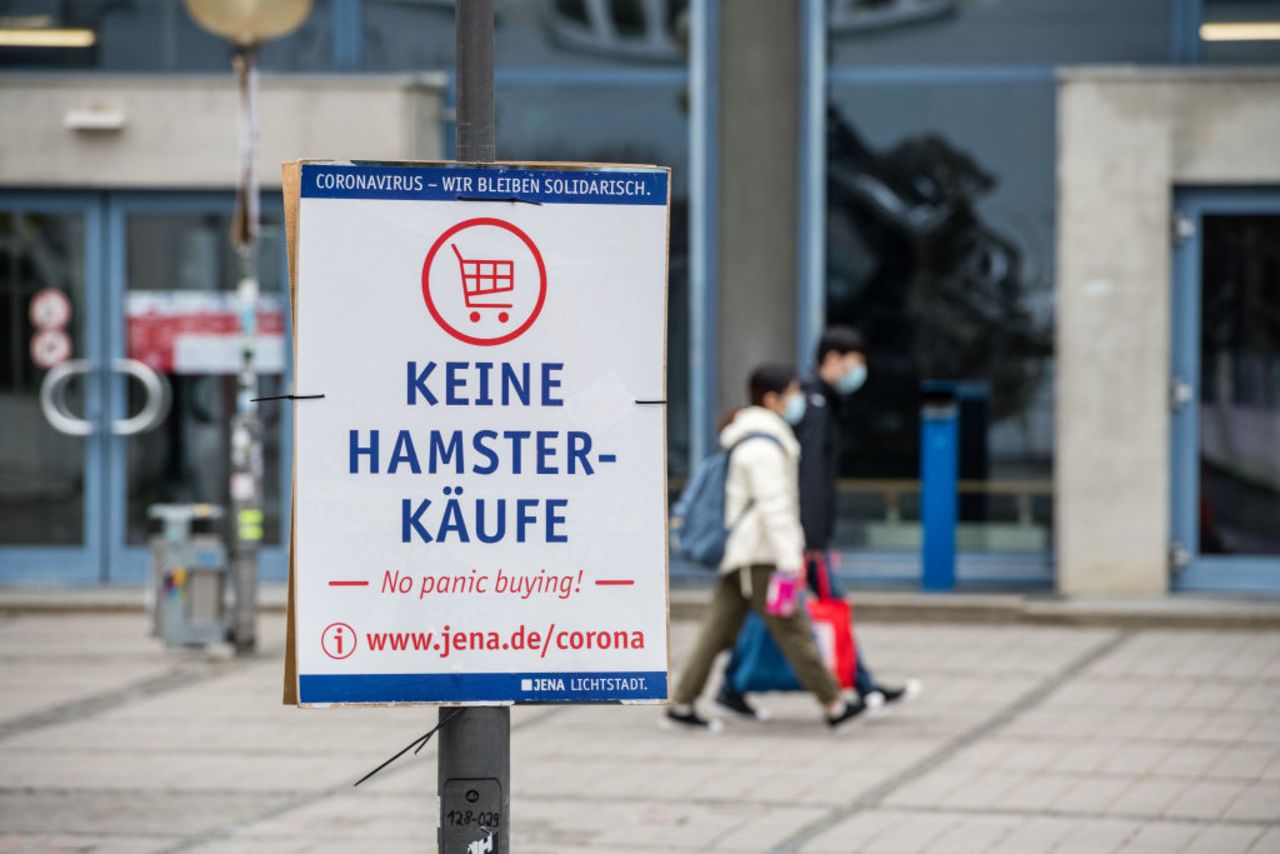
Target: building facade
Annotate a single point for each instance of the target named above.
(1063, 208)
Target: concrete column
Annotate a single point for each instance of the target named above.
(1111, 469)
(759, 81)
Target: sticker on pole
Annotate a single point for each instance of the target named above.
(480, 498)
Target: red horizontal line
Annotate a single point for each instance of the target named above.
(348, 584)
(615, 582)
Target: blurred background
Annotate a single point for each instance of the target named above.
(1066, 210)
(1062, 217)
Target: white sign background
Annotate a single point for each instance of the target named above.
(360, 318)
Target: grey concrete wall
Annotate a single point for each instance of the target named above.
(758, 148)
(182, 131)
(1127, 139)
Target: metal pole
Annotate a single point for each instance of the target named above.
(812, 214)
(246, 428)
(704, 225)
(474, 61)
(473, 773)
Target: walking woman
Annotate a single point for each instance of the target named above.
(762, 508)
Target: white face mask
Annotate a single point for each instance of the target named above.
(795, 408)
(852, 379)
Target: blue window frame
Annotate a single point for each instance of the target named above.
(128, 560)
(919, 96)
(1196, 567)
(82, 561)
(105, 552)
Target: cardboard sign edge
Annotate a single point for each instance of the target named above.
(291, 187)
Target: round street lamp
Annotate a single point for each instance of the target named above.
(247, 24)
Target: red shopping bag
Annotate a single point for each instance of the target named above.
(832, 620)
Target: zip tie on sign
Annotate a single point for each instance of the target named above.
(287, 397)
(515, 199)
(651, 402)
(419, 743)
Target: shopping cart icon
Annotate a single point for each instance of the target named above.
(491, 310)
(485, 280)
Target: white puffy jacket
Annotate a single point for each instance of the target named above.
(765, 475)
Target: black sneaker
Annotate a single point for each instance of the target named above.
(690, 720)
(906, 692)
(852, 709)
(737, 704)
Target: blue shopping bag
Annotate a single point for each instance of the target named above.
(758, 664)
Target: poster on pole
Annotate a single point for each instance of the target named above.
(480, 497)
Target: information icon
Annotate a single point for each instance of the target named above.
(338, 640)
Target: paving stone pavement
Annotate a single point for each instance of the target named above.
(1027, 739)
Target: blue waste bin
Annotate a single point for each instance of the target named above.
(939, 451)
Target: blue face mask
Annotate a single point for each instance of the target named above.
(795, 409)
(852, 379)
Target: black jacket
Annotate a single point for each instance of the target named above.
(819, 435)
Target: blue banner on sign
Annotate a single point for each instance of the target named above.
(483, 687)
(620, 186)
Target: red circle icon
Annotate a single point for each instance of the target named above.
(338, 640)
(50, 309)
(484, 281)
(50, 347)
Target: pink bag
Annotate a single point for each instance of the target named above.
(784, 590)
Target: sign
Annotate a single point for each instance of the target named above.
(50, 347)
(480, 495)
(50, 309)
(50, 312)
(198, 332)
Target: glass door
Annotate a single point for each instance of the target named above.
(1226, 391)
(52, 373)
(175, 310)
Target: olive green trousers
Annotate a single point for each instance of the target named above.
(723, 621)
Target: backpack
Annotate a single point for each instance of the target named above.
(697, 517)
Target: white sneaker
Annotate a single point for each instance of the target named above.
(874, 701)
(909, 691)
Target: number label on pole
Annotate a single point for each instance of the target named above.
(480, 497)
